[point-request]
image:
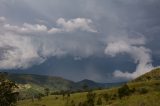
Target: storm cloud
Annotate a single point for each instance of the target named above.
(134, 47)
(31, 44)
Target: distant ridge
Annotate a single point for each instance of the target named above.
(54, 83)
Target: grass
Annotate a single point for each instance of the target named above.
(149, 81)
(149, 99)
(53, 100)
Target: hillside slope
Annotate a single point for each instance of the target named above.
(152, 75)
(41, 81)
(54, 83)
(144, 91)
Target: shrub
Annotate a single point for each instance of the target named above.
(46, 91)
(7, 95)
(80, 104)
(132, 90)
(72, 103)
(124, 91)
(143, 91)
(106, 97)
(90, 99)
(113, 97)
(39, 96)
(99, 101)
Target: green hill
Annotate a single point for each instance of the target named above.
(54, 83)
(152, 75)
(39, 82)
(30, 84)
(143, 91)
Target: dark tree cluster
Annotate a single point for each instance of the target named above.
(8, 97)
(125, 91)
(90, 99)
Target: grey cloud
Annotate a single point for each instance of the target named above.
(72, 25)
(65, 26)
(29, 50)
(134, 47)
(21, 53)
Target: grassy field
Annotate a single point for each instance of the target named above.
(53, 100)
(144, 91)
(151, 98)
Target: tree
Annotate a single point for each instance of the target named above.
(68, 94)
(8, 97)
(143, 91)
(85, 87)
(72, 103)
(106, 97)
(39, 97)
(90, 98)
(99, 101)
(47, 91)
(124, 91)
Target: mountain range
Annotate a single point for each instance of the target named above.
(31, 83)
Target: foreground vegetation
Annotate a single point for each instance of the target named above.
(135, 95)
(147, 99)
(8, 95)
(144, 91)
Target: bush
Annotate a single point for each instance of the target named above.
(39, 96)
(72, 103)
(143, 91)
(99, 101)
(106, 97)
(113, 97)
(46, 91)
(124, 91)
(80, 104)
(7, 95)
(90, 99)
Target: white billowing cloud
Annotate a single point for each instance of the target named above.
(74, 24)
(26, 28)
(19, 48)
(64, 26)
(134, 47)
(17, 52)
(54, 30)
(37, 27)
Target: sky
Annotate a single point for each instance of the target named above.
(100, 40)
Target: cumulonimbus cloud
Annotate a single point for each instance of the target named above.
(135, 48)
(19, 48)
(17, 52)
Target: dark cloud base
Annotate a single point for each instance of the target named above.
(77, 70)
